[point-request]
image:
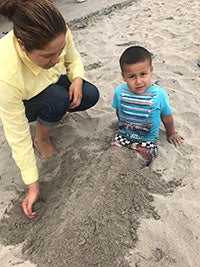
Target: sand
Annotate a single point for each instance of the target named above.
(98, 207)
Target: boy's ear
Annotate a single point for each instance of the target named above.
(122, 76)
(21, 44)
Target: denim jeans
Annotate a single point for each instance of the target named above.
(49, 106)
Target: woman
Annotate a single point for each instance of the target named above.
(32, 85)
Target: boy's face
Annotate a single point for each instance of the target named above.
(138, 76)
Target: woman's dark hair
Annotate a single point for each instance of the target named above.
(35, 22)
(134, 54)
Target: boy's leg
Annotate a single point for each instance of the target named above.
(147, 149)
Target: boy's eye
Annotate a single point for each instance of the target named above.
(132, 77)
(144, 73)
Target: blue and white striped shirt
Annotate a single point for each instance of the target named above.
(140, 115)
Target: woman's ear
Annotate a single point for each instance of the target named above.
(21, 44)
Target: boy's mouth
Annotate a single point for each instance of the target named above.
(139, 87)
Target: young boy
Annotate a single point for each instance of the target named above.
(141, 106)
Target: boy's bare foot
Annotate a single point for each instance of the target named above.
(45, 149)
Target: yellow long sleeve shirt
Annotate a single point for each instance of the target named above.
(20, 79)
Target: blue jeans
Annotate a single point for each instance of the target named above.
(49, 106)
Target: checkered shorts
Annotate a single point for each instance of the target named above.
(147, 149)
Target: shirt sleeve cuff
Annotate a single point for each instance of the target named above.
(29, 176)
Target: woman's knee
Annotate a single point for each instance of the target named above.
(94, 95)
(90, 96)
(58, 104)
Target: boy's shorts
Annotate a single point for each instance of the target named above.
(147, 149)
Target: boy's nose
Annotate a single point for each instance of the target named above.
(138, 80)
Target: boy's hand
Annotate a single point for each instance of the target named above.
(30, 199)
(175, 139)
(114, 126)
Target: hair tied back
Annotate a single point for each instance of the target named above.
(9, 7)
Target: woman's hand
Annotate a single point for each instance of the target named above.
(30, 199)
(75, 93)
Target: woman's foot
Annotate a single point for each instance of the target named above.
(42, 141)
(45, 149)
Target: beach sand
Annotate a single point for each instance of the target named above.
(98, 207)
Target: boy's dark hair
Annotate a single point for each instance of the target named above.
(134, 54)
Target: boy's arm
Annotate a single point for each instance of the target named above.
(117, 113)
(114, 125)
(172, 136)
